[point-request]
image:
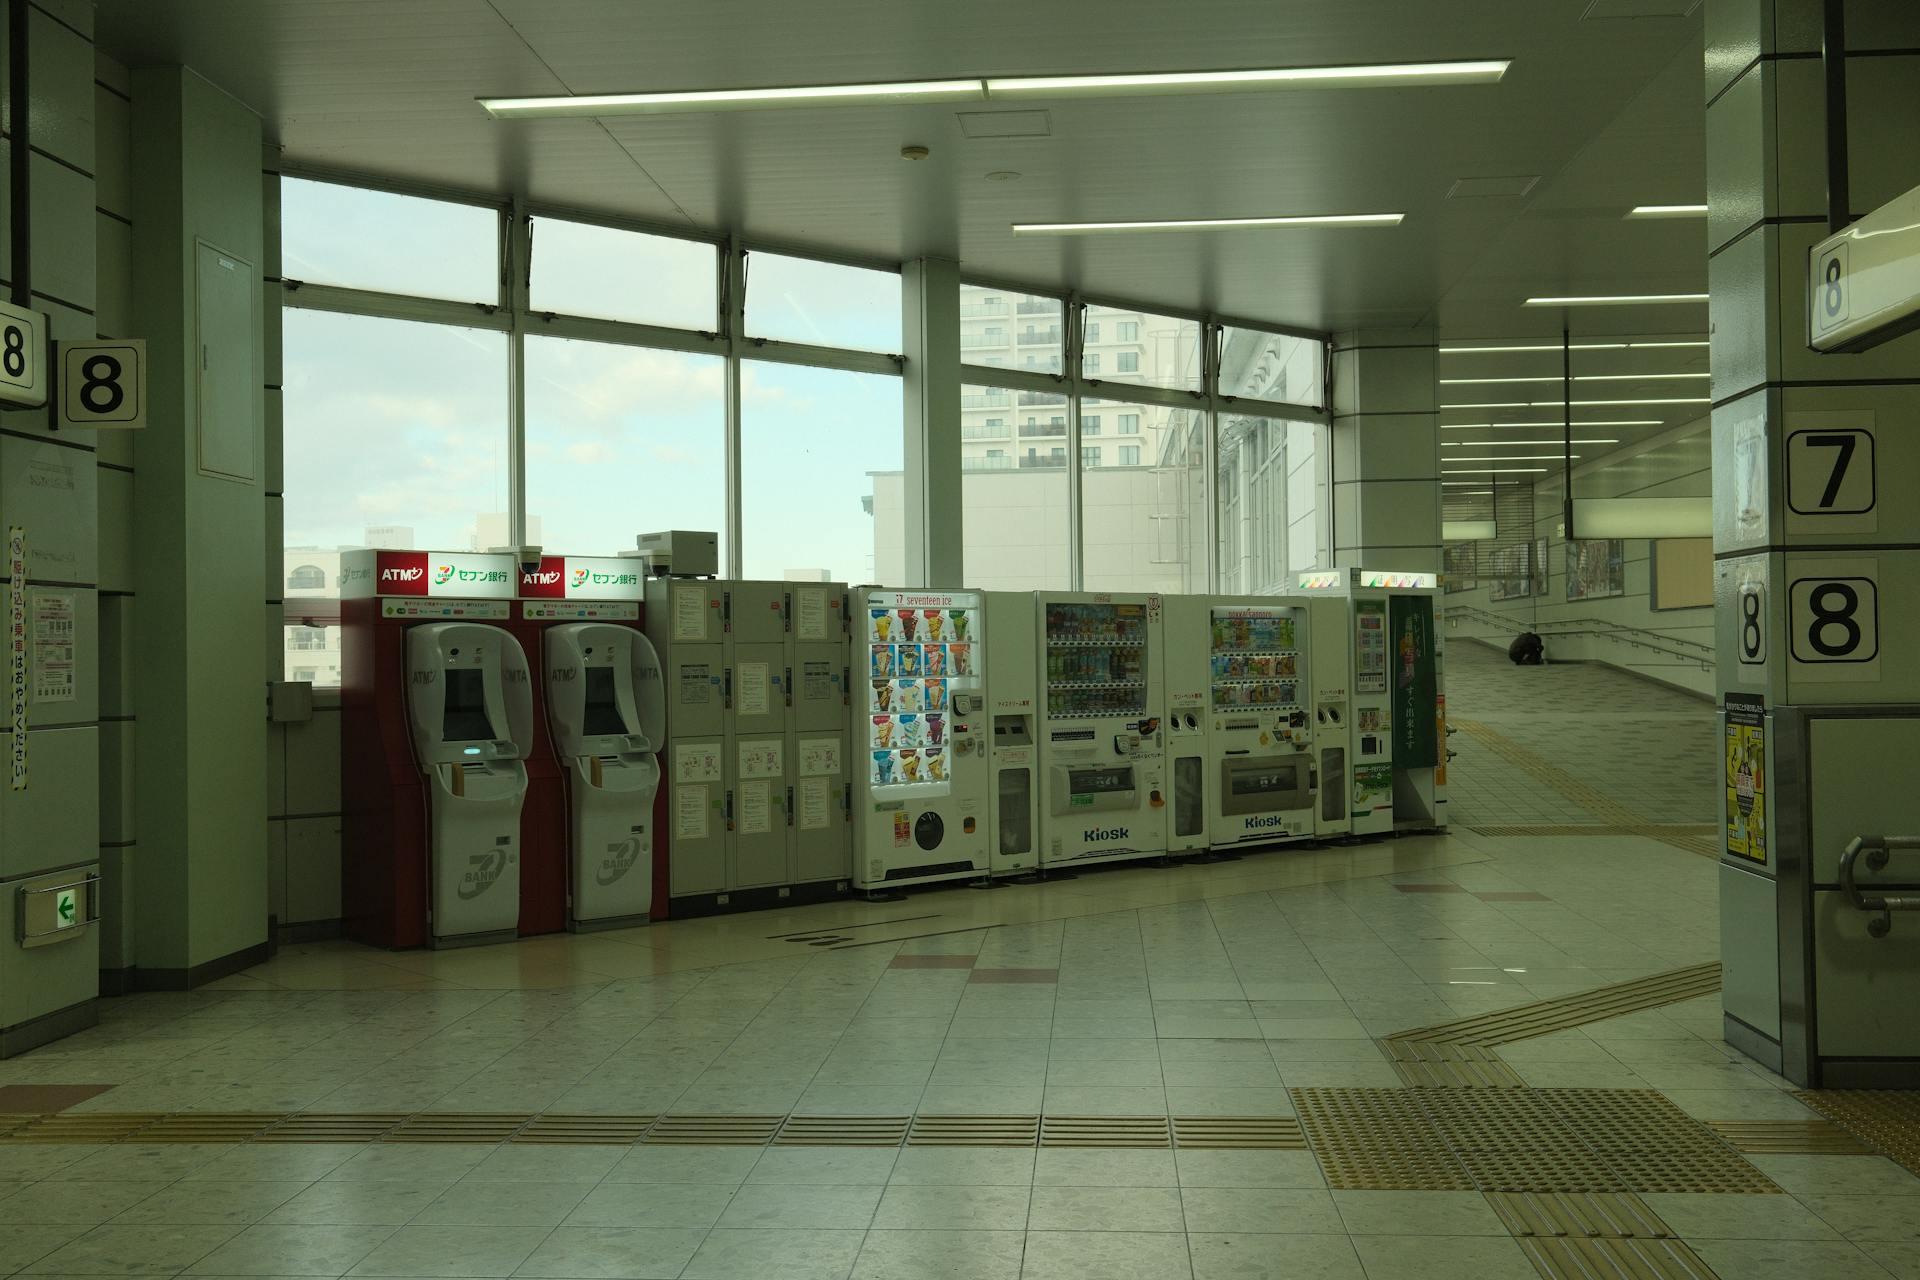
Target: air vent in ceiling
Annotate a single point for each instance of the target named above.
(1005, 124)
(1486, 188)
(1639, 9)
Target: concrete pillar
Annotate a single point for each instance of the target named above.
(200, 519)
(930, 301)
(1385, 493)
(1817, 551)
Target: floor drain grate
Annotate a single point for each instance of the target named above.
(1598, 1215)
(326, 1126)
(1104, 1131)
(842, 1131)
(1543, 1017)
(456, 1126)
(974, 1131)
(585, 1130)
(1582, 1258)
(1788, 1137)
(1239, 1133)
(715, 1131)
(1887, 1121)
(208, 1126)
(83, 1126)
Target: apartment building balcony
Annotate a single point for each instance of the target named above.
(987, 400)
(1001, 463)
(1043, 397)
(981, 431)
(1043, 429)
(1049, 462)
(1038, 307)
(971, 309)
(1039, 337)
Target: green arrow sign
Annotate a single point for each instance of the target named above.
(64, 909)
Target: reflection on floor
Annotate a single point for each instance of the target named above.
(1188, 992)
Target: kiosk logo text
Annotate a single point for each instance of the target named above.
(1108, 833)
(1270, 820)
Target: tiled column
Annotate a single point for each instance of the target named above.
(1817, 548)
(1386, 450)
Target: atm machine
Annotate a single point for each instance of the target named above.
(1102, 752)
(470, 706)
(1263, 771)
(607, 708)
(921, 792)
(1386, 623)
(757, 790)
(1013, 821)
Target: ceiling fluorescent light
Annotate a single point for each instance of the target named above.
(1502, 404)
(1578, 346)
(1534, 426)
(1208, 224)
(817, 95)
(1509, 444)
(1548, 404)
(1668, 211)
(1517, 457)
(1579, 377)
(1494, 471)
(1389, 75)
(1615, 299)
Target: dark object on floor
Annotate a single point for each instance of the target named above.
(1527, 650)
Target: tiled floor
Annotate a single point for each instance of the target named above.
(1143, 991)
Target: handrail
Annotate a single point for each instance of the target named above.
(1637, 637)
(1877, 849)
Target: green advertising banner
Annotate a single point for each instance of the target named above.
(1415, 732)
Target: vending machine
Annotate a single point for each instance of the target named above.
(922, 790)
(1187, 625)
(1261, 725)
(387, 872)
(1102, 751)
(1013, 702)
(607, 711)
(757, 792)
(1387, 623)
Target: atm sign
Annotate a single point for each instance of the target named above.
(401, 573)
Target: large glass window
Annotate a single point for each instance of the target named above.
(585, 270)
(1013, 495)
(394, 429)
(822, 303)
(621, 441)
(1269, 492)
(1272, 366)
(1143, 516)
(361, 239)
(1149, 350)
(998, 327)
(821, 496)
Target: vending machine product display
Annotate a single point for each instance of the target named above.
(1262, 730)
(922, 791)
(1102, 752)
(757, 792)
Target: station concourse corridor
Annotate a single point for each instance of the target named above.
(979, 1083)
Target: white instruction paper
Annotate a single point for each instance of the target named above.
(810, 614)
(750, 688)
(815, 804)
(762, 759)
(819, 757)
(690, 813)
(696, 762)
(756, 810)
(689, 611)
(53, 646)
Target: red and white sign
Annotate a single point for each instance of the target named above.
(458, 575)
(583, 578)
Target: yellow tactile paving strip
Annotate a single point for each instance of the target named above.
(1105, 1131)
(842, 1131)
(1590, 1215)
(1578, 1258)
(1788, 1137)
(1444, 1064)
(1885, 1120)
(1544, 1017)
(1274, 1133)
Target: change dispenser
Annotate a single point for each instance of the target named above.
(470, 707)
(607, 707)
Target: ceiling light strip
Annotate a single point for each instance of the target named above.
(820, 95)
(1616, 299)
(1578, 377)
(1578, 346)
(1668, 211)
(1208, 224)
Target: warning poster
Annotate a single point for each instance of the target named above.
(1747, 777)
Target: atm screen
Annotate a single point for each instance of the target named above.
(603, 709)
(465, 716)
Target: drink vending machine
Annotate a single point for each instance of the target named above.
(1386, 624)
(436, 725)
(594, 774)
(1261, 731)
(1102, 754)
(922, 791)
(757, 790)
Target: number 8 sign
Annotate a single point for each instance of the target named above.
(104, 384)
(1834, 622)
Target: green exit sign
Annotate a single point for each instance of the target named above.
(66, 909)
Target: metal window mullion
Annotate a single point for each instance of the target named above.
(513, 290)
(975, 375)
(802, 353)
(623, 333)
(1253, 408)
(1075, 317)
(1210, 338)
(732, 268)
(394, 306)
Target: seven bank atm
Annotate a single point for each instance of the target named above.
(607, 707)
(470, 706)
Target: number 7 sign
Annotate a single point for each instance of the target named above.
(1831, 473)
(104, 383)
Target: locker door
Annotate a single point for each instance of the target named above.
(696, 816)
(696, 677)
(757, 612)
(823, 830)
(758, 813)
(757, 688)
(820, 686)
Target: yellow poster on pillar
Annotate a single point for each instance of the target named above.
(1747, 777)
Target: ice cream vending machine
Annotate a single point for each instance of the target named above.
(921, 793)
(1102, 746)
(757, 795)
(1262, 724)
(1385, 624)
